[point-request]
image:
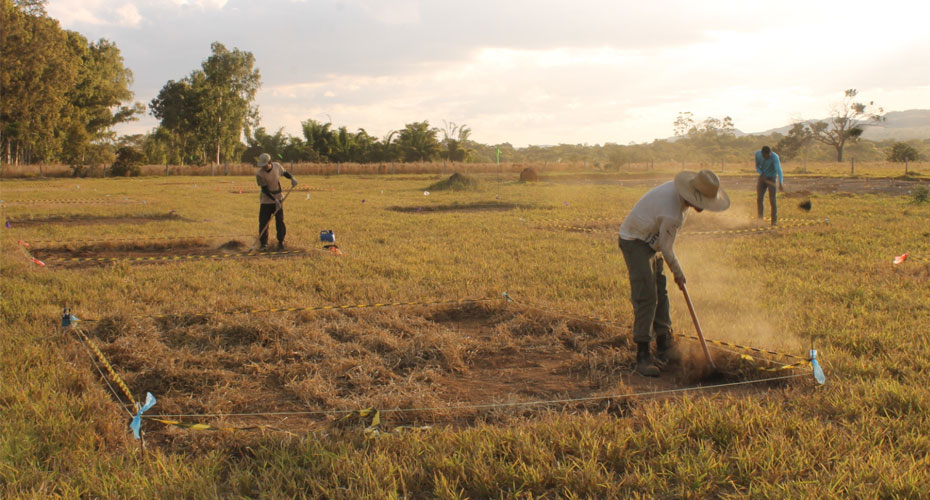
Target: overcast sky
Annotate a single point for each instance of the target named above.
(530, 72)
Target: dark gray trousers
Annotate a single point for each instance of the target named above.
(264, 217)
(647, 289)
(766, 183)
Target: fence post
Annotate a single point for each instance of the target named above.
(905, 167)
(852, 166)
(723, 165)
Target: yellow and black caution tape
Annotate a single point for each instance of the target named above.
(372, 429)
(199, 426)
(106, 363)
(777, 367)
(87, 201)
(138, 239)
(321, 308)
(803, 361)
(173, 258)
(602, 220)
(761, 229)
(296, 189)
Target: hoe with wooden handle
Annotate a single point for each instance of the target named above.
(697, 326)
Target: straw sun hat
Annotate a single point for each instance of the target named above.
(702, 189)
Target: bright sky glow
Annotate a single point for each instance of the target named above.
(530, 71)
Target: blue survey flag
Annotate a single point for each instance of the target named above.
(818, 371)
(137, 420)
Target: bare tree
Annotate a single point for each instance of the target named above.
(846, 122)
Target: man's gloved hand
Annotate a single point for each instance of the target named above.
(277, 204)
(293, 182)
(680, 281)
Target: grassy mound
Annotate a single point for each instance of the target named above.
(455, 182)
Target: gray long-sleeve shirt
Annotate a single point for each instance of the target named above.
(656, 219)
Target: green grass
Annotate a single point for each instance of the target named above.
(62, 434)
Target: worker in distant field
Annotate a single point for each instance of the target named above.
(651, 227)
(769, 168)
(269, 179)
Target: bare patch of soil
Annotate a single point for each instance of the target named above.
(153, 252)
(454, 364)
(490, 206)
(96, 219)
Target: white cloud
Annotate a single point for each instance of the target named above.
(72, 12)
(202, 4)
(128, 15)
(396, 12)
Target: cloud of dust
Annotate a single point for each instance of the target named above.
(730, 300)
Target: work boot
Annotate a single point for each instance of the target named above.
(666, 350)
(280, 246)
(644, 365)
(263, 248)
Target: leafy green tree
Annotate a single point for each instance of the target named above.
(846, 122)
(386, 148)
(61, 93)
(177, 106)
(455, 142)
(792, 145)
(417, 142)
(226, 108)
(37, 69)
(319, 138)
(684, 124)
(901, 152)
(129, 157)
(208, 112)
(157, 147)
(95, 102)
(261, 141)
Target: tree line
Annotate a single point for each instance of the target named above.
(61, 94)
(60, 104)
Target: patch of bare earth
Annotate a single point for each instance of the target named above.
(94, 254)
(95, 219)
(492, 206)
(448, 366)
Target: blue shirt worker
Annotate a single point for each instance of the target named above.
(769, 168)
(269, 180)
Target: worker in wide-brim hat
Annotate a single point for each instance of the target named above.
(269, 180)
(649, 229)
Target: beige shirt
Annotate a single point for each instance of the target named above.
(272, 180)
(656, 219)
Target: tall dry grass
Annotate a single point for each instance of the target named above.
(62, 434)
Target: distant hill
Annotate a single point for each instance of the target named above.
(898, 125)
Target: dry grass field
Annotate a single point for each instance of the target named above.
(478, 396)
